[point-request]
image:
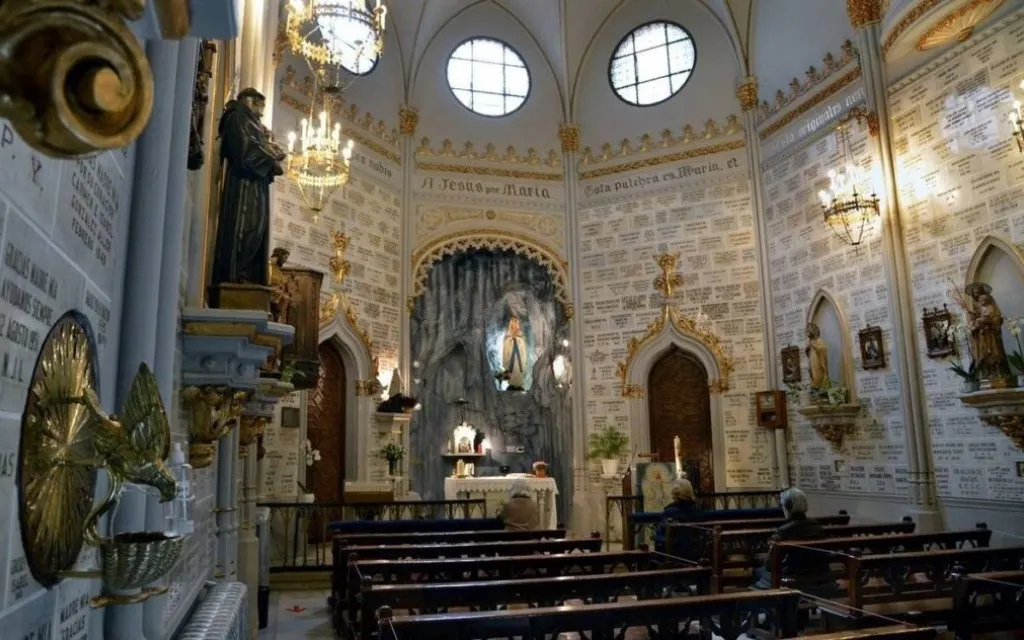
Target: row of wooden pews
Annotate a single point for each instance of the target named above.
(481, 585)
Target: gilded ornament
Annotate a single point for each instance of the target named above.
(645, 163)
(249, 429)
(958, 25)
(909, 18)
(215, 410)
(552, 158)
(718, 385)
(830, 65)
(282, 298)
(864, 12)
(1012, 427)
(408, 119)
(74, 79)
(328, 308)
(746, 92)
(667, 139)
(569, 135)
(668, 280)
(66, 436)
(340, 267)
(493, 240)
(863, 117)
(811, 103)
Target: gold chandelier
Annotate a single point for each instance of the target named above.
(329, 33)
(317, 161)
(848, 212)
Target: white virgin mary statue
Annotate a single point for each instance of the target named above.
(514, 356)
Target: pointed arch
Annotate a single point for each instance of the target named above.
(358, 361)
(824, 298)
(985, 248)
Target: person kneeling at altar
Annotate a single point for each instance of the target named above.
(520, 513)
(806, 569)
(682, 509)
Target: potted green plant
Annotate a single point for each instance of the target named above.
(393, 453)
(1016, 325)
(608, 445)
(968, 373)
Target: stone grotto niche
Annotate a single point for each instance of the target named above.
(463, 335)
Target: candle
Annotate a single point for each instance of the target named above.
(677, 445)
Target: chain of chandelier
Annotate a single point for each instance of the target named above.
(849, 211)
(329, 35)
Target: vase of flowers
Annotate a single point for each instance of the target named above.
(967, 372)
(1016, 358)
(608, 445)
(393, 453)
(312, 456)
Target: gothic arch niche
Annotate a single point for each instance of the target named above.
(679, 404)
(1000, 264)
(638, 373)
(340, 335)
(835, 331)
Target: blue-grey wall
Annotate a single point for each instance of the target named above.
(456, 327)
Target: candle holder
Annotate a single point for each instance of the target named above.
(317, 161)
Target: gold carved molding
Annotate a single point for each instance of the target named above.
(813, 77)
(862, 116)
(493, 240)
(666, 140)
(490, 153)
(864, 12)
(434, 219)
(408, 120)
(249, 429)
(672, 318)
(958, 25)
(214, 411)
(908, 19)
(74, 79)
(803, 108)
(746, 93)
(645, 163)
(569, 136)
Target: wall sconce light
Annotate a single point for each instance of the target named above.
(1017, 120)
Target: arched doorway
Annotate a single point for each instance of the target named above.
(326, 427)
(679, 404)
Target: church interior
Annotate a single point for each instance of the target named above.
(539, 319)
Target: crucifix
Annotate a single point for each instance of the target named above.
(669, 279)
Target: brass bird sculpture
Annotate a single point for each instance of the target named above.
(134, 445)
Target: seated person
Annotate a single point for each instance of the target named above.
(682, 508)
(808, 569)
(520, 512)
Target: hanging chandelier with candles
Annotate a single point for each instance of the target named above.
(1017, 120)
(317, 161)
(848, 211)
(331, 33)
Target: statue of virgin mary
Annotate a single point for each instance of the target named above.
(514, 356)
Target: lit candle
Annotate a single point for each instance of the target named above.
(291, 141)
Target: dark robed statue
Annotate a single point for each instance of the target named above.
(251, 162)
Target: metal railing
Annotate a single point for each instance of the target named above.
(622, 507)
(300, 533)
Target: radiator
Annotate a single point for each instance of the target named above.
(221, 615)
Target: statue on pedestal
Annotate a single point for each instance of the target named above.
(282, 299)
(513, 356)
(251, 161)
(985, 322)
(817, 357)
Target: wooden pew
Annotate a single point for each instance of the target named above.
(894, 632)
(912, 586)
(446, 537)
(394, 552)
(987, 603)
(553, 591)
(978, 537)
(728, 615)
(484, 568)
(738, 551)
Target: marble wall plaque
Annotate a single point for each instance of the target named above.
(94, 203)
(28, 178)
(962, 180)
(73, 608)
(10, 433)
(33, 620)
(664, 178)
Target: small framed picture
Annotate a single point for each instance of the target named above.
(1020, 468)
(290, 417)
(936, 332)
(872, 350)
(791, 364)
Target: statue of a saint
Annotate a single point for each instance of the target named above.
(513, 356)
(985, 321)
(281, 299)
(251, 162)
(817, 357)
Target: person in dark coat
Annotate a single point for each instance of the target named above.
(682, 508)
(808, 569)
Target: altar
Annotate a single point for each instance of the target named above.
(495, 490)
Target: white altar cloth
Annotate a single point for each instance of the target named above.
(494, 491)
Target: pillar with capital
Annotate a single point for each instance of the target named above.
(747, 94)
(866, 18)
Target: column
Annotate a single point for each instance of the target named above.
(747, 93)
(138, 340)
(569, 136)
(408, 119)
(865, 16)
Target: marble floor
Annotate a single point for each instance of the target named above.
(298, 615)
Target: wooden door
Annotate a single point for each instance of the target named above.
(326, 427)
(679, 404)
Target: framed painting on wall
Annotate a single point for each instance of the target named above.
(791, 365)
(872, 351)
(936, 332)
